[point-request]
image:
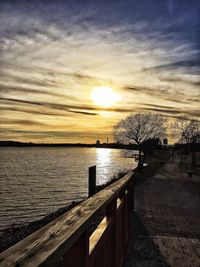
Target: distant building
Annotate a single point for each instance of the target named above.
(165, 141)
(97, 143)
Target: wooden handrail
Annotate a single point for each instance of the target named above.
(66, 240)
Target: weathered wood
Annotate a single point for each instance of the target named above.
(120, 232)
(101, 255)
(95, 237)
(49, 244)
(111, 212)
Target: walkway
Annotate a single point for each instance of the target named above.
(166, 220)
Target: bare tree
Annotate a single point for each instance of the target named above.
(139, 127)
(189, 131)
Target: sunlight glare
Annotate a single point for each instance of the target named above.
(103, 159)
(104, 96)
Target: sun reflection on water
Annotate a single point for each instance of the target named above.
(103, 159)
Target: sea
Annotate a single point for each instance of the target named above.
(36, 181)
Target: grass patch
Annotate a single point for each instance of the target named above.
(155, 161)
(112, 180)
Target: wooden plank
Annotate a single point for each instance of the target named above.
(96, 235)
(51, 242)
(102, 253)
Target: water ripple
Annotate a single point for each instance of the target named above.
(37, 181)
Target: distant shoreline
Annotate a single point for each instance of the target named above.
(104, 145)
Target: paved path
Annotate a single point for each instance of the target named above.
(166, 220)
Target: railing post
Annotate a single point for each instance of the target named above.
(111, 212)
(120, 227)
(78, 238)
(132, 195)
(92, 181)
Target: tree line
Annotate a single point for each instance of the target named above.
(146, 129)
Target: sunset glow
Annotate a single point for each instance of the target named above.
(104, 96)
(69, 71)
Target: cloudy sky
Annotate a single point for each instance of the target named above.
(53, 56)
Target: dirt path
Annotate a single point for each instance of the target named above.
(166, 220)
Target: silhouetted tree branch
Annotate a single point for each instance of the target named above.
(189, 131)
(138, 128)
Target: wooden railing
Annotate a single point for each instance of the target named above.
(93, 234)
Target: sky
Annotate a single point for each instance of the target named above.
(54, 54)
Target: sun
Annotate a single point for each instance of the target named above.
(104, 96)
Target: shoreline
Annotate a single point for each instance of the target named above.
(78, 145)
(13, 234)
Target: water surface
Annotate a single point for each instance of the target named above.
(36, 181)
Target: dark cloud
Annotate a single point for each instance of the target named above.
(31, 111)
(170, 111)
(81, 77)
(51, 78)
(83, 112)
(133, 88)
(190, 65)
(21, 122)
(44, 82)
(179, 80)
(68, 108)
(158, 106)
(194, 99)
(63, 45)
(176, 100)
(162, 91)
(17, 89)
(20, 101)
(148, 90)
(163, 110)
(49, 110)
(70, 134)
